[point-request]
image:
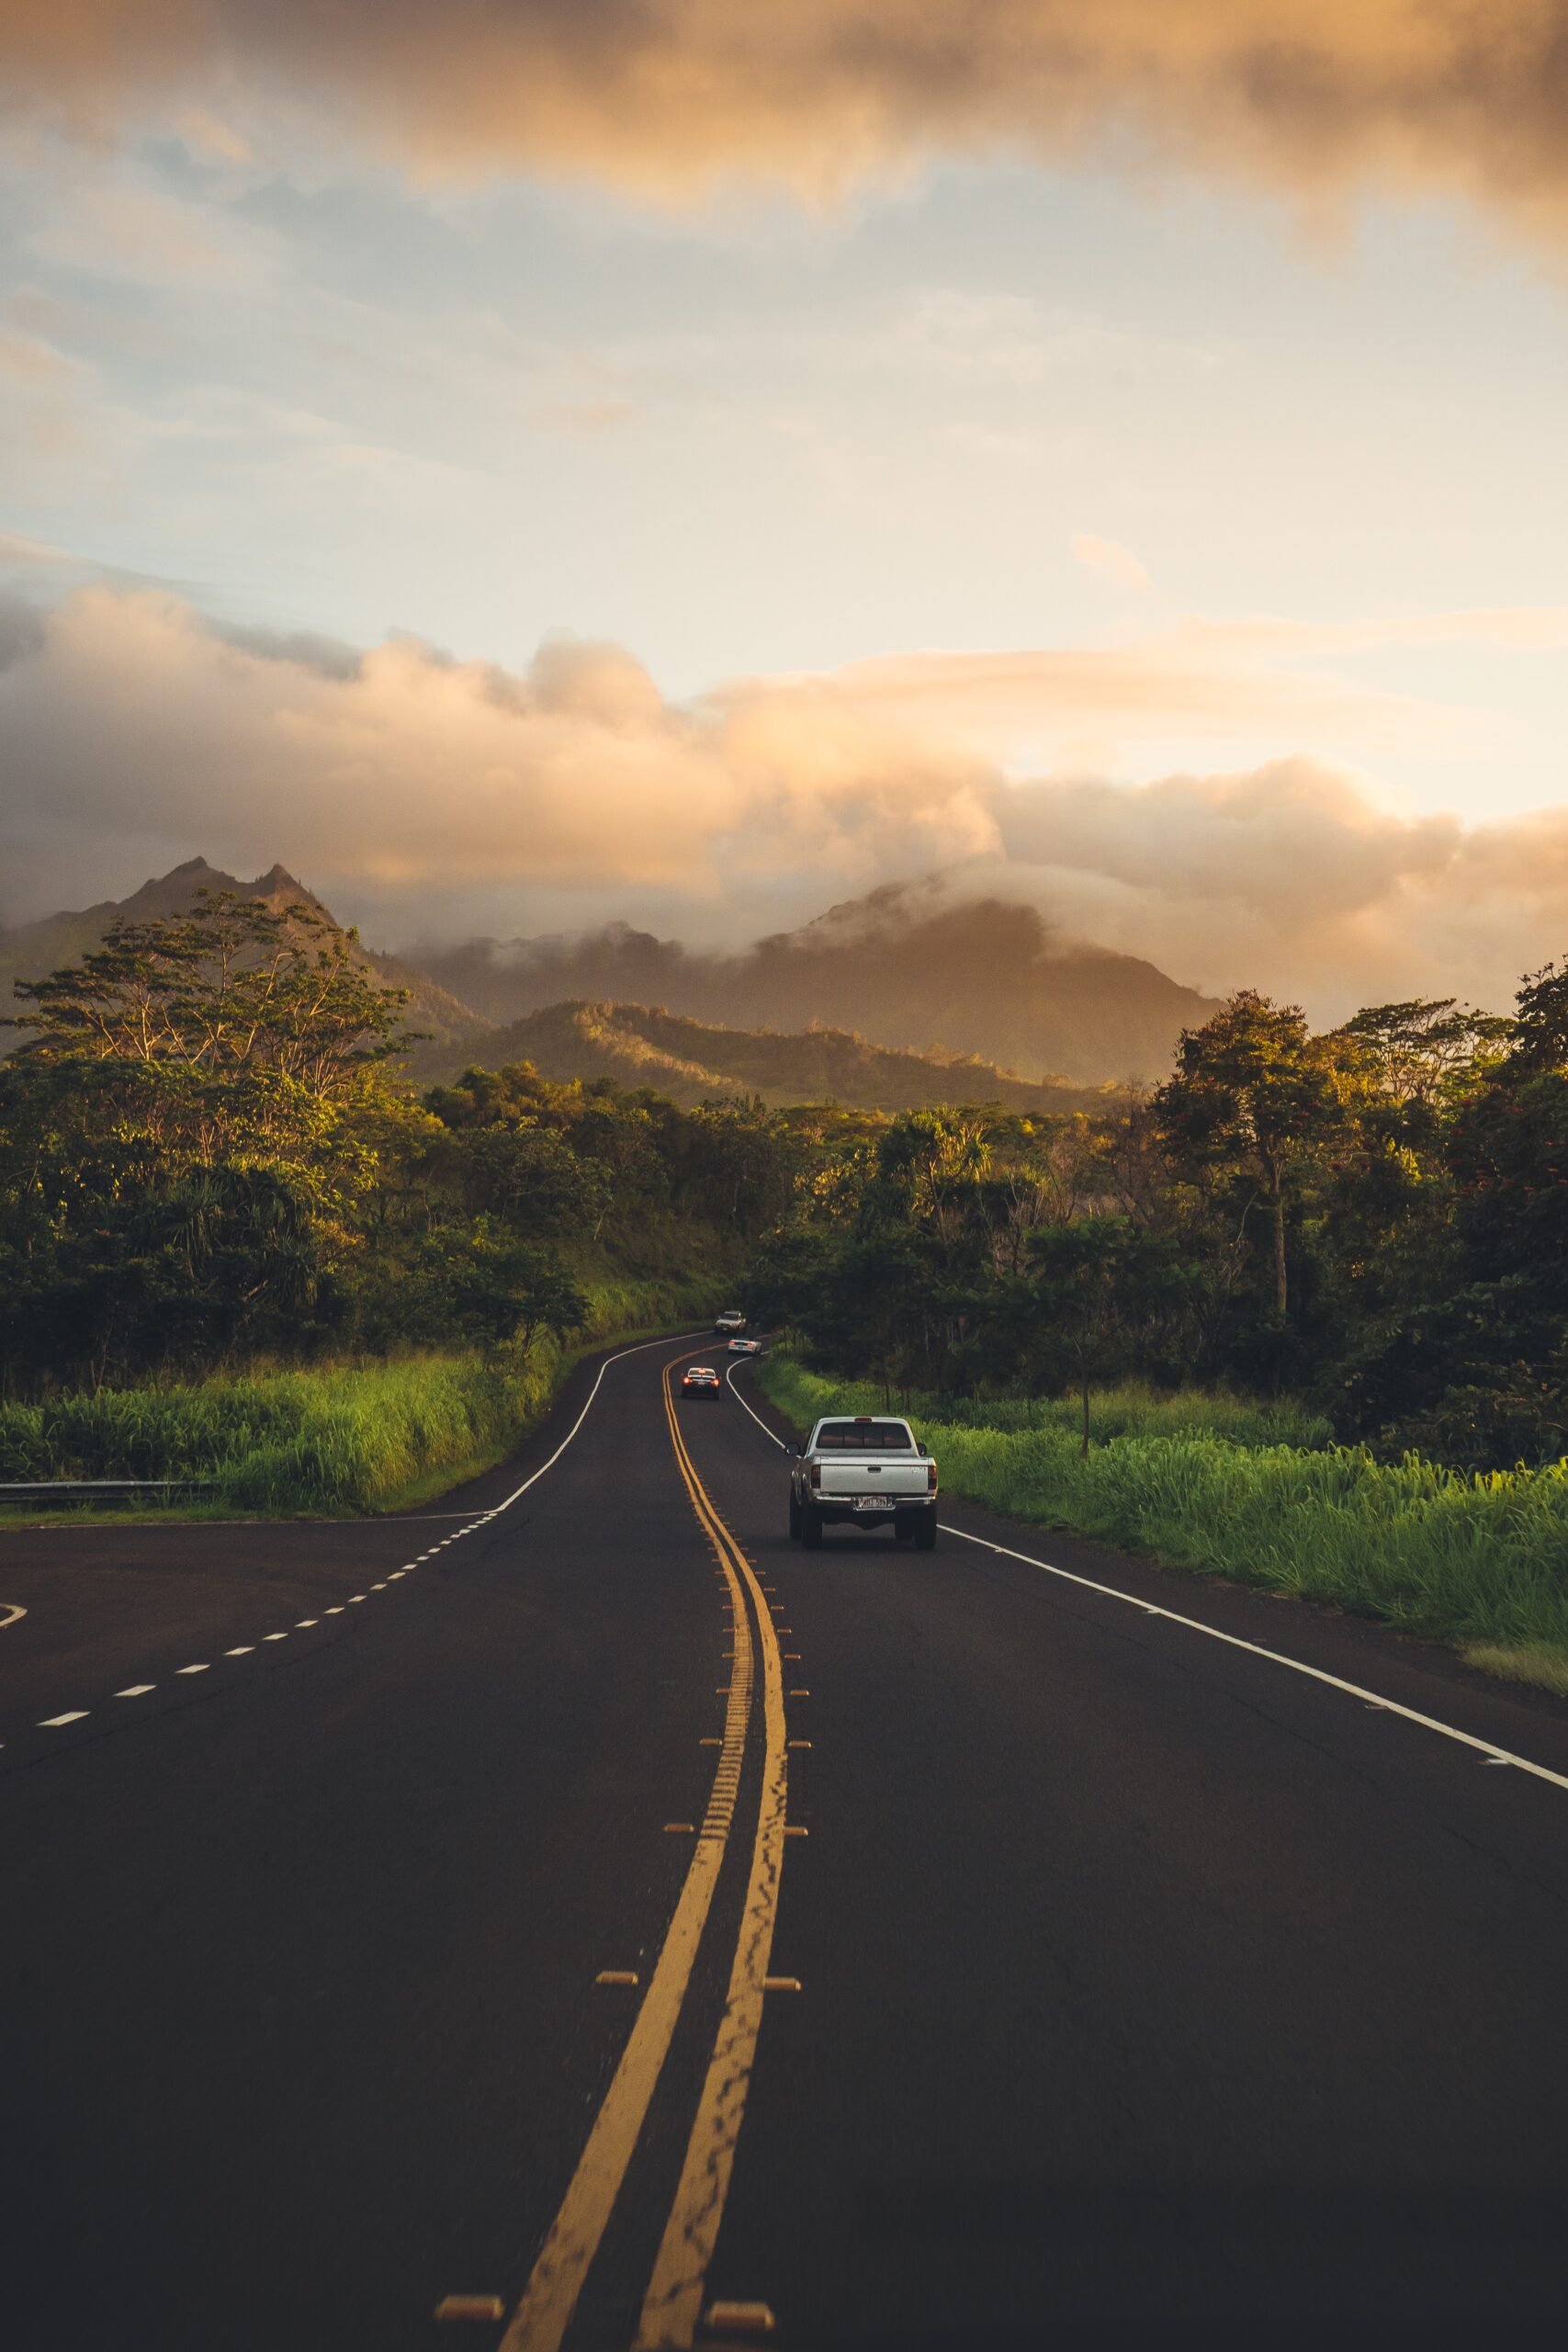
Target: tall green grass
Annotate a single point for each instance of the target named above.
(1477, 1560)
(1128, 1410)
(349, 1439)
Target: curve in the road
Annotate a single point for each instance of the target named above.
(63, 1718)
(674, 2301)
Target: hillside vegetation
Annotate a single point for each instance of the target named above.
(449, 1031)
(907, 962)
(891, 972)
(338, 1437)
(1374, 1217)
(691, 1061)
(236, 1248)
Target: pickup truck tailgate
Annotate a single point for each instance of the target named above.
(866, 1474)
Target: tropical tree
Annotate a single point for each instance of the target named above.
(1254, 1098)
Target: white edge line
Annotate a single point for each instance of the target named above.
(1276, 1657)
(13, 1610)
(669, 1340)
(53, 1723)
(730, 1383)
(1485, 1747)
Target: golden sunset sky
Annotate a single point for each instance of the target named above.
(525, 464)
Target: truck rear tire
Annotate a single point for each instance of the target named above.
(925, 1538)
(811, 1527)
(794, 1515)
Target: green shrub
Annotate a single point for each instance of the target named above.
(1478, 1558)
(342, 1440)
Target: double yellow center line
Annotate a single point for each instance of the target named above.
(674, 2301)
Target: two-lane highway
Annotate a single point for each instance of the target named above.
(617, 1922)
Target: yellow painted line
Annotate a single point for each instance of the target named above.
(751, 2319)
(471, 2307)
(14, 1611)
(550, 2297)
(673, 2305)
(616, 1976)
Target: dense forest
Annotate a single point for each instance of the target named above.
(1373, 1219)
(211, 1157)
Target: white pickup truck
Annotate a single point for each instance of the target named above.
(868, 1471)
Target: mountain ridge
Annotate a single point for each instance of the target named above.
(692, 1061)
(895, 1001)
(30, 951)
(906, 965)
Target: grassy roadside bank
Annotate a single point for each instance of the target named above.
(1477, 1560)
(351, 1439)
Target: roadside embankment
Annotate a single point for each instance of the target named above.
(349, 1439)
(1480, 1561)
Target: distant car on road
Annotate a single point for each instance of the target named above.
(700, 1380)
(730, 1321)
(870, 1471)
(745, 1348)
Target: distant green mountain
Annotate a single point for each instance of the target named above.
(31, 951)
(913, 963)
(689, 1056)
(691, 1061)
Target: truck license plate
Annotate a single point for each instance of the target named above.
(869, 1502)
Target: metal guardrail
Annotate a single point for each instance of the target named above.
(23, 1491)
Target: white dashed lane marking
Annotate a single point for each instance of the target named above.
(10, 1611)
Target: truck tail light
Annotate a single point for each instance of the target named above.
(930, 1475)
(813, 1473)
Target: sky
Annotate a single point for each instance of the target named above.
(528, 465)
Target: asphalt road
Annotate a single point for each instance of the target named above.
(1129, 1985)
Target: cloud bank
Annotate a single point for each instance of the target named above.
(668, 95)
(425, 793)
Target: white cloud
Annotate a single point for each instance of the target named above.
(1112, 561)
(132, 731)
(675, 95)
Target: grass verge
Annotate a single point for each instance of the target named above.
(1478, 1561)
(350, 1439)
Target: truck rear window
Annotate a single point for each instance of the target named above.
(864, 1437)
